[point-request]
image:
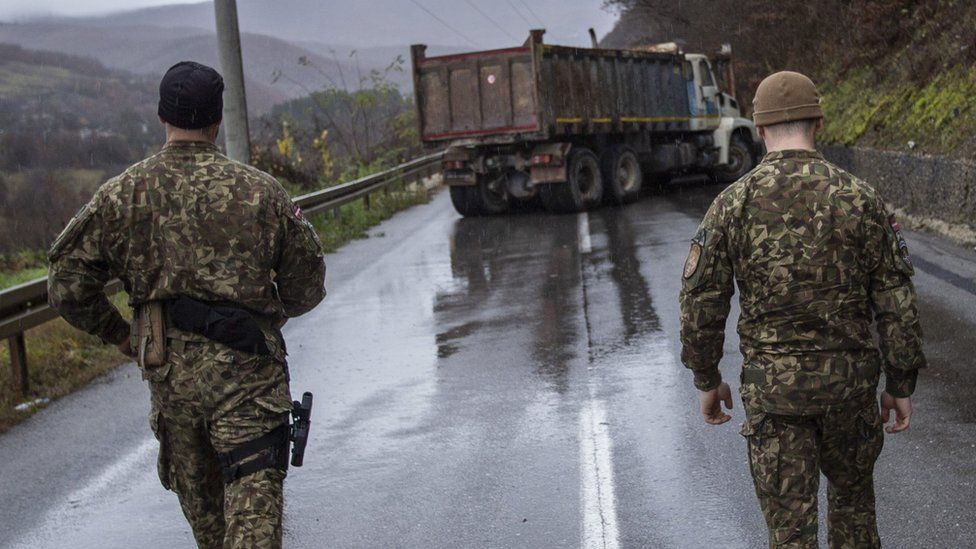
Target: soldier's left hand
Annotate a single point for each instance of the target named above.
(711, 404)
(903, 412)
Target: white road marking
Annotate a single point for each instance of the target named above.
(76, 504)
(596, 479)
(583, 227)
(596, 452)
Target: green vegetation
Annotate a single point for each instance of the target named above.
(938, 117)
(355, 219)
(20, 267)
(23, 79)
(891, 71)
(346, 129)
(8, 280)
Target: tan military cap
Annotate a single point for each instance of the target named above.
(785, 97)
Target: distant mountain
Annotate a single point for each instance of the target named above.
(271, 65)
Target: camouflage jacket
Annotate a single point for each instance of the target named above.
(187, 221)
(817, 259)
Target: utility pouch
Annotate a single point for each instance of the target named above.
(152, 334)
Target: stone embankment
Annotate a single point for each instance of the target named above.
(935, 193)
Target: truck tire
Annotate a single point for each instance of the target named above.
(741, 161)
(466, 201)
(478, 199)
(622, 175)
(583, 188)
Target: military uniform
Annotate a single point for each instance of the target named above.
(190, 222)
(817, 258)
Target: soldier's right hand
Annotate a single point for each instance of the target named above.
(903, 412)
(126, 348)
(711, 404)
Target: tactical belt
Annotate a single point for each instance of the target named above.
(232, 326)
(757, 376)
(277, 458)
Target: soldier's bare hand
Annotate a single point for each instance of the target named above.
(711, 404)
(125, 348)
(903, 412)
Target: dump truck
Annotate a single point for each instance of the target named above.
(576, 127)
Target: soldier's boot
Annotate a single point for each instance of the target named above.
(783, 462)
(188, 466)
(851, 444)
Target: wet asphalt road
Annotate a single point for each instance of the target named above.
(506, 382)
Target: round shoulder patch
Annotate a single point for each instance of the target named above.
(691, 264)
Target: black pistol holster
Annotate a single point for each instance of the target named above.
(235, 463)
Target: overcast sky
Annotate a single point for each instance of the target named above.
(11, 9)
(588, 11)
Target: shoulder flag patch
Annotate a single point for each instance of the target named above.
(694, 255)
(902, 245)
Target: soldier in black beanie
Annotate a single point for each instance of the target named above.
(215, 258)
(191, 96)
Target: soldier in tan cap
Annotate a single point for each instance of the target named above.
(818, 260)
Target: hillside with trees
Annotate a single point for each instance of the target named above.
(66, 122)
(895, 74)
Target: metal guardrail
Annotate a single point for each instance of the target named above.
(25, 306)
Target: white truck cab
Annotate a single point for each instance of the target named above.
(719, 112)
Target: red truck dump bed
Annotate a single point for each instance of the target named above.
(537, 91)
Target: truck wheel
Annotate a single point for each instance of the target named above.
(487, 197)
(466, 200)
(741, 161)
(583, 188)
(622, 175)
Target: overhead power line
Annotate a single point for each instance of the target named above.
(516, 10)
(492, 21)
(443, 22)
(534, 14)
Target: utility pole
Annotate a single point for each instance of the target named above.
(236, 135)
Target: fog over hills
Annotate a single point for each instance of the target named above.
(271, 65)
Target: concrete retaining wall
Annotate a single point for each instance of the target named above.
(929, 187)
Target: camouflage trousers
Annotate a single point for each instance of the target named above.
(787, 455)
(207, 399)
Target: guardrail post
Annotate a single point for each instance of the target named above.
(366, 201)
(18, 362)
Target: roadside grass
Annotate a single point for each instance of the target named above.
(354, 219)
(8, 280)
(19, 267)
(62, 359)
